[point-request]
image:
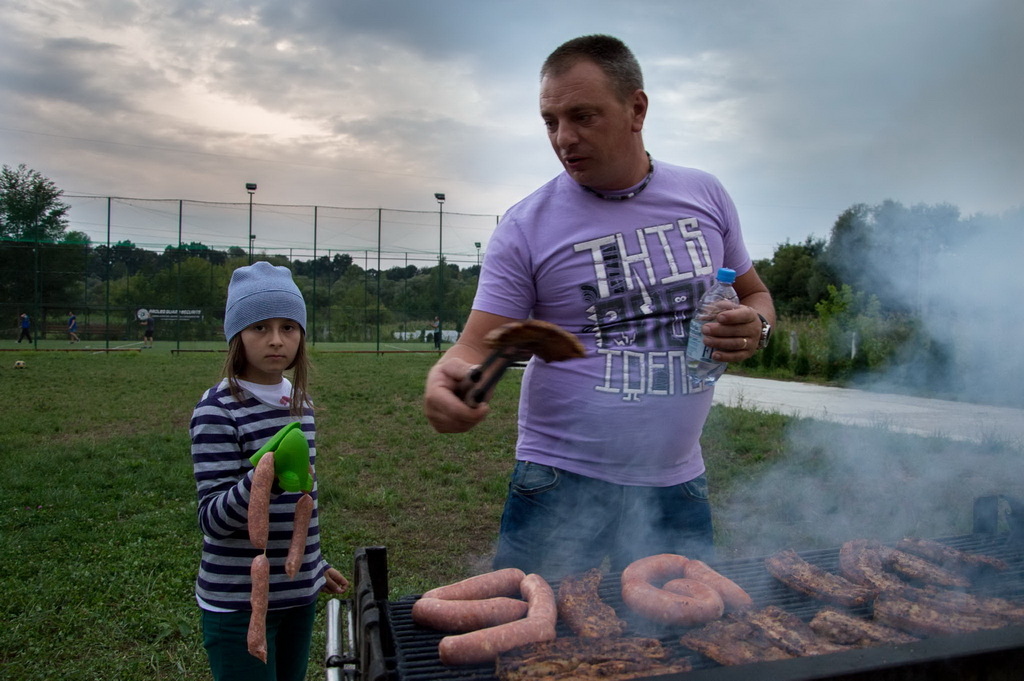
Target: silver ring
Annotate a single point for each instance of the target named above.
(744, 343)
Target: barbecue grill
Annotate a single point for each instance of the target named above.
(373, 639)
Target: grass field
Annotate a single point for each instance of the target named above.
(97, 507)
(385, 345)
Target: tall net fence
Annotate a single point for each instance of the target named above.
(372, 278)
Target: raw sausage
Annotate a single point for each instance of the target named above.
(484, 645)
(256, 639)
(539, 594)
(259, 501)
(464, 616)
(503, 582)
(700, 605)
(734, 597)
(300, 528)
(693, 588)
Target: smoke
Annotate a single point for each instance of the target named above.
(972, 297)
(960, 278)
(840, 482)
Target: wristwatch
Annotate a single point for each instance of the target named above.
(766, 332)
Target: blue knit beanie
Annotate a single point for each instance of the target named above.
(262, 291)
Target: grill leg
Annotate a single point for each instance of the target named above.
(986, 514)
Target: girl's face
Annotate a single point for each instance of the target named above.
(270, 348)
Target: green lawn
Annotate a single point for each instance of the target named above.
(97, 507)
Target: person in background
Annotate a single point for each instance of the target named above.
(613, 249)
(264, 322)
(72, 327)
(147, 334)
(25, 321)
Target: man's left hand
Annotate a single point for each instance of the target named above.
(734, 334)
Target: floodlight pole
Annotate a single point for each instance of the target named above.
(440, 261)
(251, 188)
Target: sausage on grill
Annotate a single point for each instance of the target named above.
(700, 604)
(484, 645)
(503, 582)
(463, 616)
(734, 597)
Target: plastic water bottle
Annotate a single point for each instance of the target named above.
(703, 370)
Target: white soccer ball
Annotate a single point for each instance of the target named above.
(19, 364)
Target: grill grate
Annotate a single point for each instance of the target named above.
(409, 651)
(416, 647)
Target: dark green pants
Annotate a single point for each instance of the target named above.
(289, 633)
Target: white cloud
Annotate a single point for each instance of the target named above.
(802, 109)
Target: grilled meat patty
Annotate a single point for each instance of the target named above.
(581, 608)
(811, 580)
(919, 569)
(588, 658)
(860, 561)
(848, 629)
(949, 557)
(790, 633)
(958, 602)
(732, 641)
(535, 337)
(922, 618)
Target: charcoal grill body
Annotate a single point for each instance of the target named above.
(391, 647)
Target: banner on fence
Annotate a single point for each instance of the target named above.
(163, 313)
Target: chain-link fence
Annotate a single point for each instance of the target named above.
(370, 276)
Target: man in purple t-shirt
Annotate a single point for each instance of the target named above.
(618, 249)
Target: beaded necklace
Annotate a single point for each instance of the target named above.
(623, 197)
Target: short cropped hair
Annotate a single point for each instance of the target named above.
(609, 53)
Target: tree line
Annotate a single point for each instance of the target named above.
(858, 301)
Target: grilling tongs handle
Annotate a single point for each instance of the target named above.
(476, 387)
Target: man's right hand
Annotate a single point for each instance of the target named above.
(443, 405)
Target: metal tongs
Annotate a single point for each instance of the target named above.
(475, 389)
(516, 342)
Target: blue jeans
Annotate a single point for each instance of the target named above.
(557, 523)
(289, 633)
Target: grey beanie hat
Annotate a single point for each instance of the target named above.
(262, 291)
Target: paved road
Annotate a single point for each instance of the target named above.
(917, 415)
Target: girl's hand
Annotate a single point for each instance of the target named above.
(336, 582)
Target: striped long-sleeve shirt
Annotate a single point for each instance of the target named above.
(225, 433)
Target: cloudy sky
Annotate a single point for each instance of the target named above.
(802, 107)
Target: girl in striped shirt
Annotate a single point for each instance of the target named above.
(264, 322)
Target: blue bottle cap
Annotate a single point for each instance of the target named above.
(726, 275)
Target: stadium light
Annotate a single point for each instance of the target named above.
(440, 257)
(251, 188)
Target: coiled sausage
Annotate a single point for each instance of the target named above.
(642, 592)
(734, 597)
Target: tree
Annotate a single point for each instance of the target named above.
(30, 206)
(888, 248)
(797, 276)
(43, 262)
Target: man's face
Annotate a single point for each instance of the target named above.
(594, 133)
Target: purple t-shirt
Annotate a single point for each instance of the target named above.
(624, 276)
